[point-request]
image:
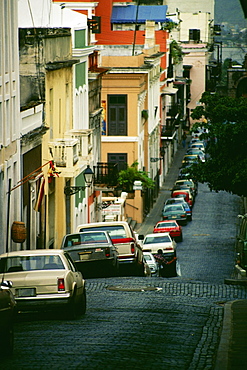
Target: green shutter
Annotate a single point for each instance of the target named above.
(80, 39)
(80, 75)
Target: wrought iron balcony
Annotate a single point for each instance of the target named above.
(106, 174)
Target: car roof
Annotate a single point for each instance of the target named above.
(158, 235)
(34, 252)
(165, 222)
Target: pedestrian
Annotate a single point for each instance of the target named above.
(184, 137)
(160, 259)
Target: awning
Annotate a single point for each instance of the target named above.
(127, 14)
(169, 90)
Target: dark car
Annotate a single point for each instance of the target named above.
(175, 212)
(241, 243)
(181, 200)
(93, 252)
(7, 308)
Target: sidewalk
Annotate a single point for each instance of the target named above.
(232, 350)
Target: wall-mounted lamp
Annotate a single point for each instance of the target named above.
(88, 177)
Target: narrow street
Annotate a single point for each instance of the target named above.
(147, 323)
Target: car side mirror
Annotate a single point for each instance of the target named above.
(140, 237)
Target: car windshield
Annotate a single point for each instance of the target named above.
(166, 224)
(30, 263)
(85, 238)
(157, 239)
(115, 232)
(173, 208)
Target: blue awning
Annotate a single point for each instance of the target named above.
(127, 14)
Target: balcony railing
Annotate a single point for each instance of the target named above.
(106, 174)
(85, 141)
(64, 152)
(172, 110)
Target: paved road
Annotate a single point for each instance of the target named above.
(147, 323)
(174, 327)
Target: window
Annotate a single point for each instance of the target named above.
(194, 35)
(117, 115)
(119, 158)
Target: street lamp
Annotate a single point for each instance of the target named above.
(88, 177)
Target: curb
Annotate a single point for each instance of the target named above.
(225, 337)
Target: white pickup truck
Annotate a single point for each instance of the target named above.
(129, 250)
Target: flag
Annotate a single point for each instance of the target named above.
(40, 194)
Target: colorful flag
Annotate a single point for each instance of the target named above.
(40, 194)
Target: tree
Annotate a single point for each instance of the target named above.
(226, 166)
(127, 178)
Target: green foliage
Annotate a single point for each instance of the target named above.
(127, 178)
(169, 25)
(176, 51)
(226, 167)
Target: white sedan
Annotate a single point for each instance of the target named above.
(44, 279)
(153, 242)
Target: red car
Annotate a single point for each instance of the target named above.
(171, 227)
(181, 193)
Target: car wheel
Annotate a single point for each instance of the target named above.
(82, 304)
(139, 269)
(7, 342)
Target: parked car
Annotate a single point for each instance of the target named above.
(181, 200)
(184, 193)
(191, 158)
(171, 227)
(198, 152)
(241, 243)
(7, 310)
(189, 182)
(198, 145)
(93, 253)
(175, 212)
(129, 249)
(153, 242)
(150, 260)
(44, 279)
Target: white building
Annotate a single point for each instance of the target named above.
(10, 203)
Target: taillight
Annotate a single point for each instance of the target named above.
(60, 285)
(132, 247)
(107, 252)
(169, 249)
(183, 215)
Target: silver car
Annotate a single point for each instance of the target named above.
(93, 253)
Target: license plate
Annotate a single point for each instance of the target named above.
(84, 257)
(98, 250)
(26, 292)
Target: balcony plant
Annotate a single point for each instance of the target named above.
(127, 178)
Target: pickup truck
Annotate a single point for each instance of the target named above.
(129, 250)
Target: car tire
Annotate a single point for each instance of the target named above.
(7, 342)
(82, 304)
(76, 308)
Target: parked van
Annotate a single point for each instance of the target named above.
(241, 243)
(129, 250)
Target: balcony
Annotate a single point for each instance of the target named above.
(168, 133)
(172, 110)
(105, 174)
(85, 142)
(65, 155)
